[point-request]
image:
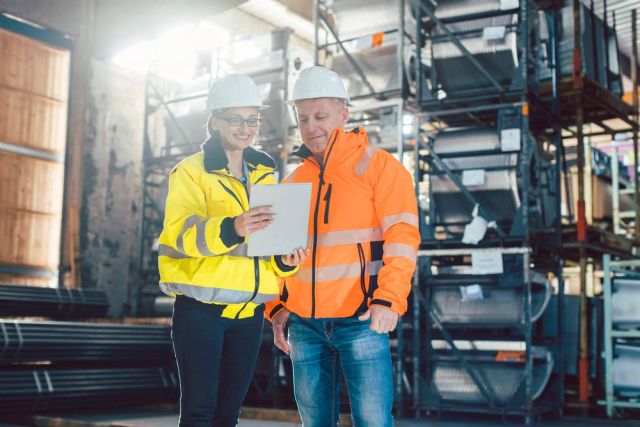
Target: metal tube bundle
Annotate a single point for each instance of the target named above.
(37, 390)
(58, 303)
(26, 341)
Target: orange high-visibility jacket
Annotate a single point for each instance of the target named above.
(363, 232)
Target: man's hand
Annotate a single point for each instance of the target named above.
(253, 220)
(383, 320)
(277, 323)
(297, 257)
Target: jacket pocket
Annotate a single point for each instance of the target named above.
(215, 205)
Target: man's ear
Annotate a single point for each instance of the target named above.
(345, 115)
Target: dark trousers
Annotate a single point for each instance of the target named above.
(216, 357)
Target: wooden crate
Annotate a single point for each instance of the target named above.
(32, 121)
(36, 281)
(29, 239)
(30, 184)
(34, 95)
(32, 66)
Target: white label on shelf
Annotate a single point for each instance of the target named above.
(510, 139)
(509, 4)
(486, 262)
(471, 293)
(473, 177)
(494, 33)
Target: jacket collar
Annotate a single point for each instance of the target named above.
(216, 160)
(339, 142)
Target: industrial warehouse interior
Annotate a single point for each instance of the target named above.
(516, 120)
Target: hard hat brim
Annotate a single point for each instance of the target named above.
(292, 102)
(259, 107)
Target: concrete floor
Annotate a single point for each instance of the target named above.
(158, 418)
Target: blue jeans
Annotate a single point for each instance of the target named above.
(320, 348)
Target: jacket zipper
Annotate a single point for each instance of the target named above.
(315, 229)
(256, 260)
(327, 200)
(256, 269)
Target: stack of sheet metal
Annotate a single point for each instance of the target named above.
(491, 40)
(500, 365)
(599, 47)
(500, 301)
(368, 30)
(626, 316)
(475, 149)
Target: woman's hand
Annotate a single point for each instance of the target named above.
(295, 258)
(253, 220)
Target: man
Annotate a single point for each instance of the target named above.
(363, 236)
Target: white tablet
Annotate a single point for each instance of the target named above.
(288, 231)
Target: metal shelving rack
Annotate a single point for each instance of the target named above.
(551, 106)
(518, 240)
(375, 97)
(584, 100)
(613, 335)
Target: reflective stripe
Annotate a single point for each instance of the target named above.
(401, 250)
(346, 237)
(188, 223)
(339, 271)
(201, 239)
(363, 163)
(168, 251)
(208, 295)
(374, 267)
(391, 220)
(239, 251)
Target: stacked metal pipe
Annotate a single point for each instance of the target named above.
(25, 341)
(44, 389)
(35, 356)
(57, 303)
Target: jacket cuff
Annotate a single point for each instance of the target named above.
(228, 233)
(282, 266)
(387, 304)
(275, 310)
(282, 269)
(381, 302)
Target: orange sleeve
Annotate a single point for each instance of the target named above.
(397, 213)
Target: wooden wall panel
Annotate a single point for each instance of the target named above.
(26, 239)
(32, 121)
(29, 184)
(11, 279)
(34, 90)
(33, 67)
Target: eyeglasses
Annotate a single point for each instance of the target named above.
(239, 121)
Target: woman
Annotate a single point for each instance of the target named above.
(218, 312)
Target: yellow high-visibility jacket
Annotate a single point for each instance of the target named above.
(200, 254)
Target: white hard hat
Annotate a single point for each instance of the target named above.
(318, 82)
(234, 90)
